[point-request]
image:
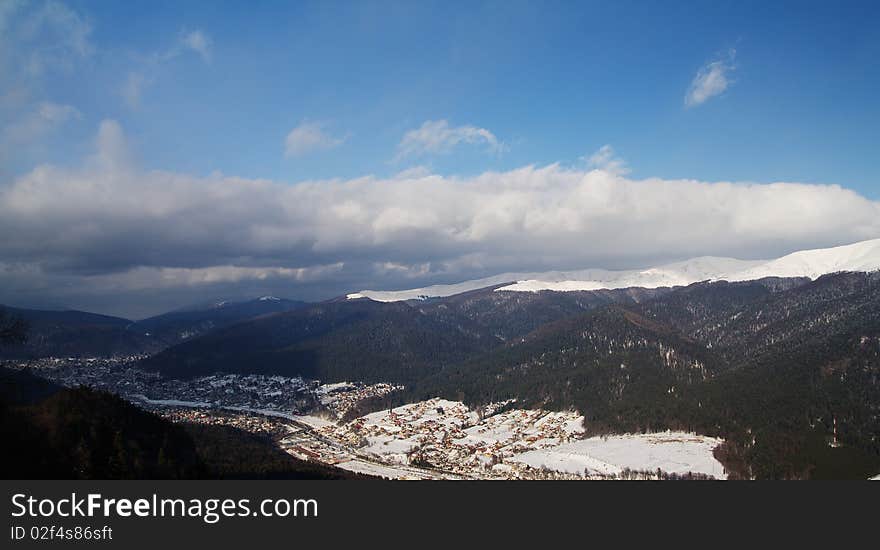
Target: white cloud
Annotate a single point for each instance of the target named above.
(31, 129)
(413, 172)
(437, 136)
(133, 87)
(37, 41)
(605, 159)
(108, 221)
(200, 43)
(140, 278)
(711, 80)
(409, 271)
(55, 113)
(148, 69)
(111, 150)
(49, 37)
(309, 137)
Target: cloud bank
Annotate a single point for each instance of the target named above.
(107, 227)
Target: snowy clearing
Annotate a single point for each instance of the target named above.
(671, 452)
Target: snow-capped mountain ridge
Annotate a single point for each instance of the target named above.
(861, 256)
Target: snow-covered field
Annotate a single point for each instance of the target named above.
(312, 421)
(672, 452)
(861, 256)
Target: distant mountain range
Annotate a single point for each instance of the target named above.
(862, 256)
(78, 333)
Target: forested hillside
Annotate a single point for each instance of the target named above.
(75, 333)
(381, 342)
(510, 315)
(356, 339)
(86, 434)
(81, 334)
(769, 365)
(177, 326)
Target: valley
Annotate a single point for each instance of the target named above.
(769, 377)
(432, 439)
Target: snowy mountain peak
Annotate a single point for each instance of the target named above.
(861, 256)
(269, 299)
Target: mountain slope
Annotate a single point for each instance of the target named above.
(862, 256)
(768, 365)
(369, 340)
(85, 434)
(83, 334)
(332, 341)
(177, 326)
(615, 366)
(510, 315)
(50, 432)
(76, 333)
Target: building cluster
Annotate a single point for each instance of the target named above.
(276, 393)
(449, 437)
(116, 374)
(250, 422)
(305, 443)
(341, 398)
(122, 377)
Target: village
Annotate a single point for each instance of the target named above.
(446, 436)
(431, 439)
(442, 439)
(119, 375)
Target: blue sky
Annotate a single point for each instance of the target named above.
(553, 82)
(158, 153)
